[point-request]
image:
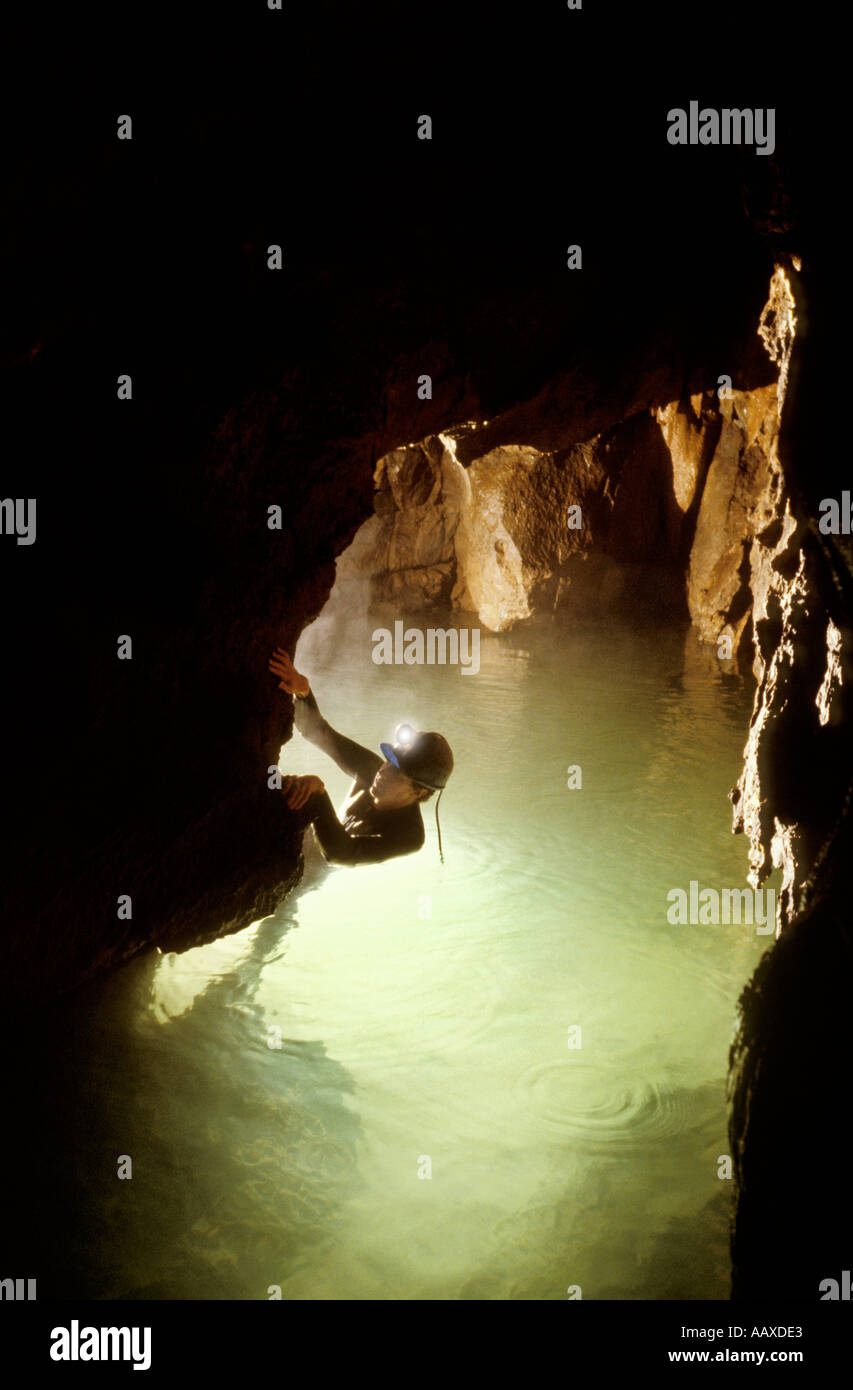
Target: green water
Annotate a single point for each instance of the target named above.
(424, 1014)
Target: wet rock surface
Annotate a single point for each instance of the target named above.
(787, 1081)
(506, 530)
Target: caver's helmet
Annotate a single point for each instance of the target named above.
(425, 758)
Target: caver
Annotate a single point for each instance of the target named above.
(381, 818)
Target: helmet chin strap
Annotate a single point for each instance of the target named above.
(437, 826)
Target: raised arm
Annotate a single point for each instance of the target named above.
(350, 757)
(358, 762)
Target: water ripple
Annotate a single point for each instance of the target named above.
(606, 1108)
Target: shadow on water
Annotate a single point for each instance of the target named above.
(612, 1239)
(243, 1164)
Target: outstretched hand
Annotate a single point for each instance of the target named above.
(297, 790)
(289, 678)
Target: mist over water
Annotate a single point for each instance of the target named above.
(424, 1011)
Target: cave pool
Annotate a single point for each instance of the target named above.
(372, 1093)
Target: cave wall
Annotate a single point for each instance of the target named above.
(163, 792)
(150, 778)
(665, 474)
(789, 1128)
(797, 760)
(671, 497)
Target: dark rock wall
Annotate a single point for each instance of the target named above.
(789, 1122)
(148, 777)
(253, 390)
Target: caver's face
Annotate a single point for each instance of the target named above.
(391, 789)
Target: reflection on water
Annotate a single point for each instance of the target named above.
(279, 1091)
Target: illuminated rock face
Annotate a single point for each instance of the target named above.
(664, 501)
(736, 504)
(788, 1068)
(791, 791)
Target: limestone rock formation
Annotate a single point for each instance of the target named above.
(788, 1126)
(575, 521)
(797, 739)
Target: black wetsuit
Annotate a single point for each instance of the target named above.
(367, 835)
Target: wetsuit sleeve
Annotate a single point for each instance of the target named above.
(350, 757)
(340, 848)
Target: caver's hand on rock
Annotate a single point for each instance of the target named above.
(289, 678)
(297, 790)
